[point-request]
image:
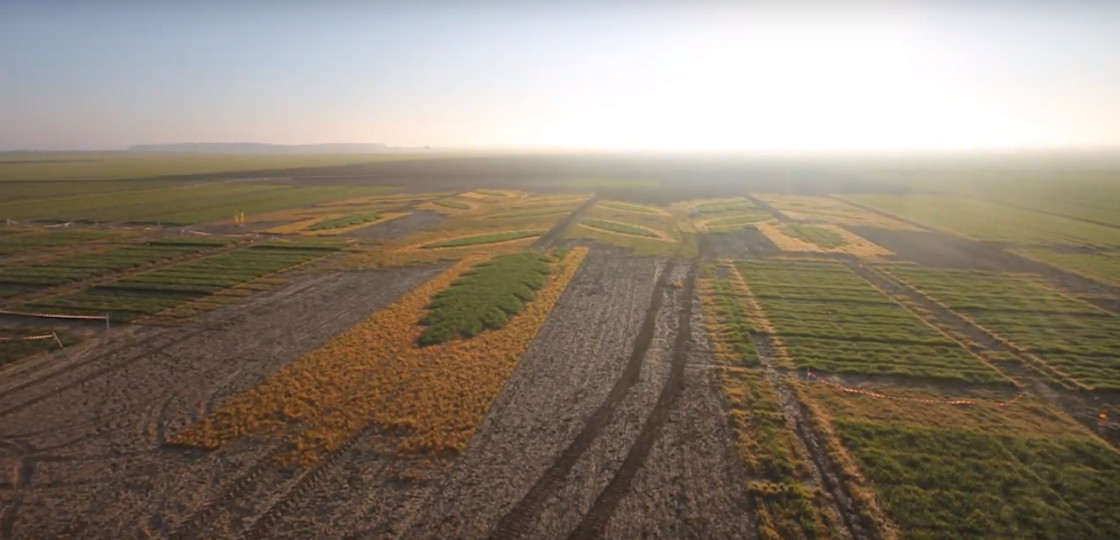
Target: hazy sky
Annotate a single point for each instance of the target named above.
(609, 74)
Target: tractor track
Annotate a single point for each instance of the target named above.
(517, 523)
(597, 518)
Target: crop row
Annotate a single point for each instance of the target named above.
(629, 207)
(830, 210)
(820, 236)
(616, 227)
(432, 396)
(1079, 340)
(481, 239)
(1103, 266)
(830, 319)
(21, 279)
(146, 293)
(824, 238)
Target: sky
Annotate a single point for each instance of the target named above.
(612, 74)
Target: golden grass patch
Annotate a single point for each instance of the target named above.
(855, 245)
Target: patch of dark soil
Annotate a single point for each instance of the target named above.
(396, 228)
(742, 244)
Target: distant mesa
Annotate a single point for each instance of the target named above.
(260, 148)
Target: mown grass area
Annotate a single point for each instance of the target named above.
(31, 240)
(22, 279)
(832, 320)
(345, 221)
(614, 226)
(481, 239)
(956, 483)
(485, 297)
(990, 221)
(820, 236)
(733, 322)
(451, 203)
(146, 293)
(1074, 337)
(177, 204)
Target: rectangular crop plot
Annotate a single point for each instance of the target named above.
(1074, 337)
(21, 279)
(147, 293)
(950, 483)
(11, 244)
(832, 320)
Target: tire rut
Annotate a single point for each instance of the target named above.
(597, 518)
(517, 523)
(547, 239)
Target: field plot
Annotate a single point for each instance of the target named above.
(37, 240)
(804, 208)
(785, 504)
(631, 207)
(981, 471)
(22, 279)
(180, 205)
(831, 320)
(722, 215)
(824, 238)
(147, 293)
(1076, 339)
(1104, 266)
(992, 222)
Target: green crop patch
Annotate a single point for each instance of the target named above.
(13, 346)
(491, 193)
(146, 293)
(485, 297)
(946, 483)
(820, 236)
(42, 240)
(344, 221)
(831, 320)
(722, 206)
(616, 227)
(481, 239)
(1076, 338)
(452, 203)
(1104, 266)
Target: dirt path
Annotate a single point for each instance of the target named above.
(549, 238)
(86, 432)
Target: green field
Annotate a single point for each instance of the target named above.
(984, 220)
(485, 297)
(452, 203)
(1075, 337)
(146, 293)
(1103, 266)
(831, 320)
(36, 240)
(22, 279)
(628, 207)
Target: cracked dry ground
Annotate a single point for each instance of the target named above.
(81, 447)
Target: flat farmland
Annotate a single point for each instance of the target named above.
(552, 347)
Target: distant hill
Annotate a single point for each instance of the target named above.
(260, 148)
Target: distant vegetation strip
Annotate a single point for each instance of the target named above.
(452, 203)
(629, 207)
(491, 192)
(616, 227)
(481, 239)
(719, 206)
(485, 298)
(345, 221)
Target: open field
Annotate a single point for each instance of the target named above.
(555, 347)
